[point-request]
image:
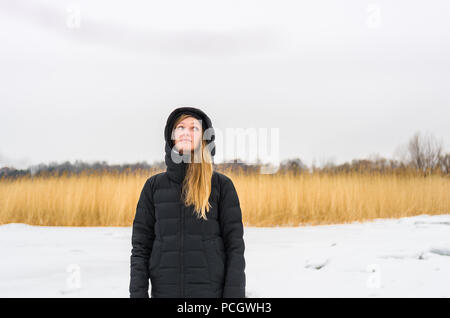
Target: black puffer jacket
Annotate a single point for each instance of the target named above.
(182, 255)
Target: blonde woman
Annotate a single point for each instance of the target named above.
(187, 236)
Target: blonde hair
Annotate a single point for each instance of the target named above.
(197, 182)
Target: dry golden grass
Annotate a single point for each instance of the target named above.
(266, 200)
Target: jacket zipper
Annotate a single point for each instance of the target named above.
(182, 238)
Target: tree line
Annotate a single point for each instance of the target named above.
(423, 155)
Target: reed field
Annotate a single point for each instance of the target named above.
(110, 199)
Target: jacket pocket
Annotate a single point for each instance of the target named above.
(155, 259)
(216, 259)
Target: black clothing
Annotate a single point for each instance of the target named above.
(181, 254)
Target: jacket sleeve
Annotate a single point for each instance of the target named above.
(232, 233)
(143, 235)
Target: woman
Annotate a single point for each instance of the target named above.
(187, 233)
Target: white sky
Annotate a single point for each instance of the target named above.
(340, 79)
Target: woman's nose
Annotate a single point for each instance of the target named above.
(185, 135)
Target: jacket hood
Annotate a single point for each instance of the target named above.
(177, 169)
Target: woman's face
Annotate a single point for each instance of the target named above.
(187, 134)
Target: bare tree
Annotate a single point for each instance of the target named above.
(445, 163)
(294, 165)
(424, 152)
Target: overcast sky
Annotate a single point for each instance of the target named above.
(96, 80)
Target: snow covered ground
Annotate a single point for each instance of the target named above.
(407, 257)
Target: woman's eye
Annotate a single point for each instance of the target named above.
(196, 128)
